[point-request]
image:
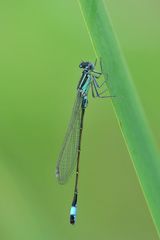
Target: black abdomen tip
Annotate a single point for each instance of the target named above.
(72, 219)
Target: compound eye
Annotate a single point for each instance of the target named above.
(81, 65)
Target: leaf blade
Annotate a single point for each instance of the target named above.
(129, 112)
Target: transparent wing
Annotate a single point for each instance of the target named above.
(69, 151)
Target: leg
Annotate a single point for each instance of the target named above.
(99, 94)
(96, 77)
(97, 85)
(92, 90)
(95, 62)
(101, 71)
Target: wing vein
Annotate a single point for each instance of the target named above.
(69, 151)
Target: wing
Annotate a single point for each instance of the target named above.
(69, 151)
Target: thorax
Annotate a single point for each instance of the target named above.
(84, 82)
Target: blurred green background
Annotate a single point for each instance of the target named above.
(41, 45)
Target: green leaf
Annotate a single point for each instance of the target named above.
(129, 112)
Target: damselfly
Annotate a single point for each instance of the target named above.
(70, 152)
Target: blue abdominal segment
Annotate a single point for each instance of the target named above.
(73, 213)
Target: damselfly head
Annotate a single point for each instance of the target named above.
(86, 65)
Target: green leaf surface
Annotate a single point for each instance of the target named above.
(130, 115)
